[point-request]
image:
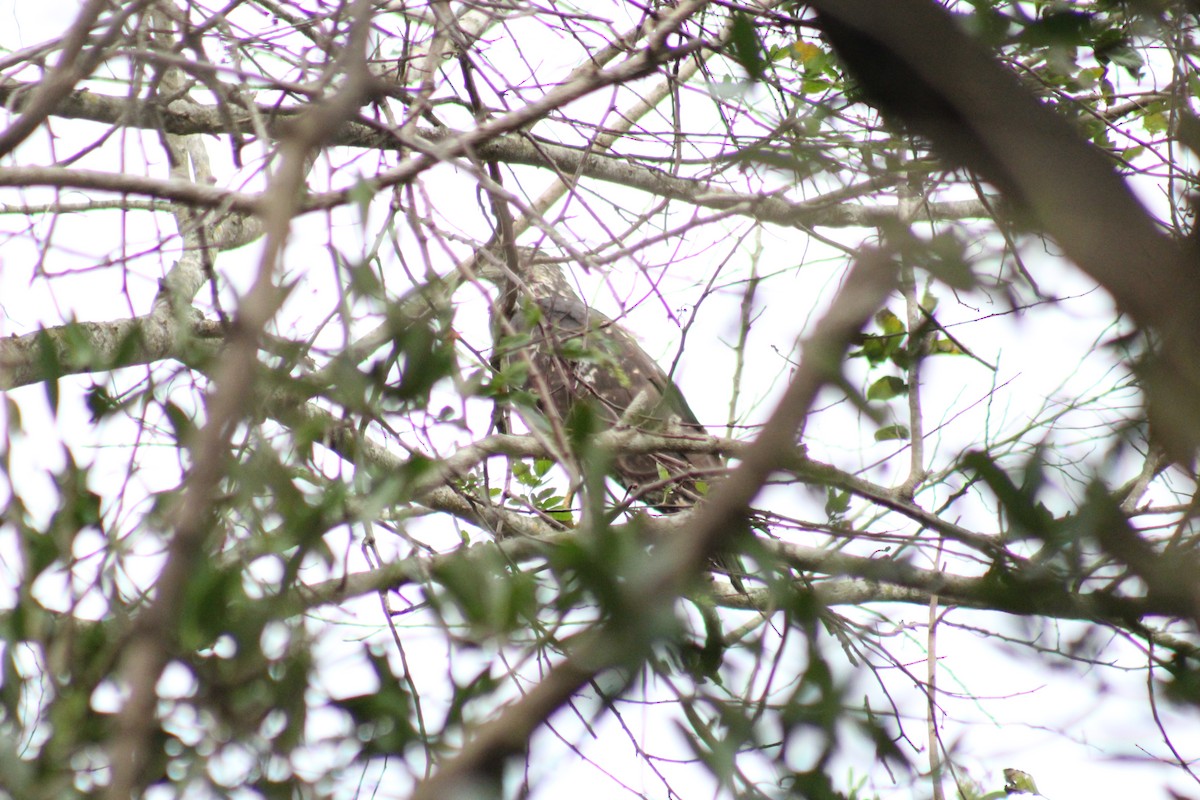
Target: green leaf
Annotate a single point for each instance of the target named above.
(836, 502)
(1062, 28)
(886, 388)
(878, 348)
(892, 432)
(1088, 77)
(874, 350)
(943, 346)
(1026, 514)
(945, 257)
(1155, 122)
(1017, 781)
(40, 553)
(364, 281)
(1113, 47)
(524, 476)
(212, 591)
(425, 355)
(181, 422)
(50, 366)
(816, 85)
(531, 313)
(889, 323)
(745, 47)
(361, 193)
(1188, 130)
(481, 586)
(100, 403)
(1130, 153)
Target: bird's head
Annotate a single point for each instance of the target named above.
(535, 272)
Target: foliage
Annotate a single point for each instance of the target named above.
(285, 514)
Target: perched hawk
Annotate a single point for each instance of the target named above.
(580, 354)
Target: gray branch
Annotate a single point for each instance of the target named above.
(187, 118)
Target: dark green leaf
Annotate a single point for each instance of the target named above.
(492, 598)
(100, 403)
(1026, 515)
(945, 257)
(384, 717)
(49, 366)
(836, 502)
(745, 48)
(1060, 28)
(181, 424)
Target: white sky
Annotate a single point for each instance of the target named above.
(1071, 727)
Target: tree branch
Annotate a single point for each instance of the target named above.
(186, 118)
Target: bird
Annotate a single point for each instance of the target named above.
(580, 355)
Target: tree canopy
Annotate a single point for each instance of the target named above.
(287, 512)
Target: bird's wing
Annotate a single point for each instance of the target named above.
(618, 369)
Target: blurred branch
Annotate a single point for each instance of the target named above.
(919, 66)
(75, 62)
(151, 639)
